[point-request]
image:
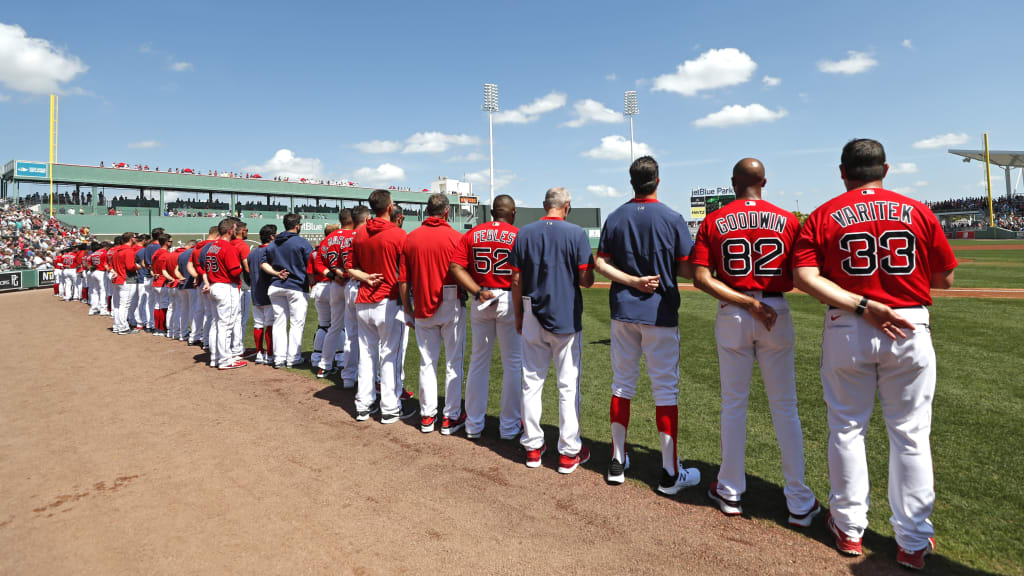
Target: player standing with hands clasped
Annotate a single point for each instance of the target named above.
(644, 245)
(550, 261)
(872, 255)
(742, 257)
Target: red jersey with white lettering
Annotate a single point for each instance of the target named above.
(426, 258)
(335, 250)
(377, 249)
(876, 243)
(124, 262)
(222, 264)
(110, 257)
(98, 260)
(160, 261)
(315, 269)
(484, 251)
(68, 259)
(196, 258)
(748, 244)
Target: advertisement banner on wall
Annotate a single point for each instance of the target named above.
(46, 278)
(704, 201)
(10, 281)
(31, 170)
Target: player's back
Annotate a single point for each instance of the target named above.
(877, 243)
(749, 245)
(485, 251)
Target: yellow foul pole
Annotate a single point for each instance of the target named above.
(988, 184)
(53, 145)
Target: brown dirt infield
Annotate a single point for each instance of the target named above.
(160, 465)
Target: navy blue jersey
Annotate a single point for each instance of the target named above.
(183, 259)
(291, 252)
(549, 254)
(645, 238)
(260, 279)
(145, 257)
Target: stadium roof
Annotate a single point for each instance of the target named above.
(1004, 158)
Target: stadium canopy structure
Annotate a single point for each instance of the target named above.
(1005, 159)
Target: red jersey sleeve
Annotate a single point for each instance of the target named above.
(806, 250)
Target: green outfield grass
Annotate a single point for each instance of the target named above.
(977, 425)
(989, 268)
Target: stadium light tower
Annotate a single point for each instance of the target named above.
(631, 110)
(491, 106)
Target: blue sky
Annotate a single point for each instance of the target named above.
(390, 92)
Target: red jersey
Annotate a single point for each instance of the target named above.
(335, 251)
(242, 247)
(196, 256)
(315, 269)
(68, 260)
(98, 260)
(110, 257)
(222, 265)
(124, 262)
(484, 251)
(378, 250)
(427, 255)
(749, 245)
(876, 243)
(79, 260)
(160, 261)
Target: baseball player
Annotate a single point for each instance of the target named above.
(179, 315)
(320, 294)
(287, 258)
(350, 373)
(551, 259)
(147, 296)
(221, 269)
(68, 264)
(137, 312)
(330, 254)
(244, 302)
(481, 266)
(376, 264)
(262, 311)
(743, 258)
(160, 296)
(872, 256)
(97, 284)
(643, 247)
(126, 281)
(201, 315)
(438, 315)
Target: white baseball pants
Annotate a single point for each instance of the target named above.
(351, 363)
(97, 292)
(494, 319)
(380, 338)
(858, 360)
(225, 300)
(240, 320)
(181, 315)
(741, 339)
(68, 285)
(289, 322)
(144, 306)
(320, 294)
(336, 333)
(209, 317)
(127, 296)
(540, 348)
(108, 287)
(198, 316)
(447, 325)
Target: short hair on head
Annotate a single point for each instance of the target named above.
(268, 232)
(437, 204)
(127, 237)
(397, 214)
(226, 226)
(863, 160)
(144, 237)
(379, 201)
(503, 206)
(119, 240)
(345, 217)
(291, 221)
(556, 198)
(156, 232)
(643, 175)
(163, 239)
(214, 230)
(360, 214)
(329, 228)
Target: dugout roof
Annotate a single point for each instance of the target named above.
(1002, 158)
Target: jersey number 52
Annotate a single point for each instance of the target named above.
(488, 261)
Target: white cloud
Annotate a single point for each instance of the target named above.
(855, 63)
(379, 146)
(921, 183)
(903, 168)
(181, 66)
(617, 148)
(602, 191)
(736, 115)
(286, 164)
(588, 111)
(434, 142)
(383, 174)
(907, 43)
(482, 179)
(145, 144)
(712, 69)
(34, 65)
(904, 190)
(942, 141)
(471, 157)
(532, 111)
(771, 81)
(611, 76)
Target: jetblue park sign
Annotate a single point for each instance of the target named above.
(31, 170)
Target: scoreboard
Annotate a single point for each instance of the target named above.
(704, 201)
